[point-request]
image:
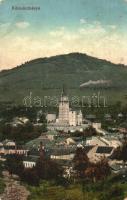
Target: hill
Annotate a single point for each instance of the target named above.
(82, 75)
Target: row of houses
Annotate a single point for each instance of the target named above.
(10, 147)
(61, 150)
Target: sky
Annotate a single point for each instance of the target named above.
(95, 27)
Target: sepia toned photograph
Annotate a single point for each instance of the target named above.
(63, 100)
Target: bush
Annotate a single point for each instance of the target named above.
(31, 177)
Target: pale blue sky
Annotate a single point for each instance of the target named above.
(63, 26)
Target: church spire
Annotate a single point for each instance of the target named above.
(64, 93)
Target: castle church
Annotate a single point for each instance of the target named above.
(66, 116)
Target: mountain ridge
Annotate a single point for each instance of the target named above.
(44, 76)
(55, 56)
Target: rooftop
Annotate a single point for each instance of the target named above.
(104, 150)
(30, 158)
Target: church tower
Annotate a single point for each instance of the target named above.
(64, 108)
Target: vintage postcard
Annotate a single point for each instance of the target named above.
(63, 99)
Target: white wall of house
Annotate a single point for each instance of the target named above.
(62, 157)
(51, 117)
(96, 125)
(29, 164)
(95, 141)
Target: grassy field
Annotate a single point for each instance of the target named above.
(2, 185)
(106, 190)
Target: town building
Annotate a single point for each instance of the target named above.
(67, 119)
(8, 147)
(29, 162)
(51, 117)
(103, 141)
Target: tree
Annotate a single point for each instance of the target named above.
(121, 152)
(90, 131)
(48, 169)
(20, 133)
(98, 171)
(80, 161)
(14, 164)
(31, 177)
(44, 127)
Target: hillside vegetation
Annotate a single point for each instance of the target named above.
(81, 74)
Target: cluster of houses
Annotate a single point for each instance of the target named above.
(8, 147)
(62, 149)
